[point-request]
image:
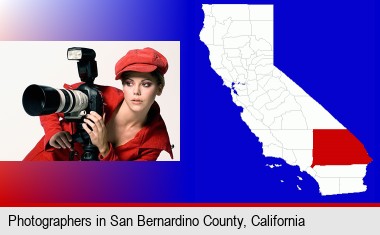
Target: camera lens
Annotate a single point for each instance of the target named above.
(71, 101)
(39, 100)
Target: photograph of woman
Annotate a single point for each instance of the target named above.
(131, 128)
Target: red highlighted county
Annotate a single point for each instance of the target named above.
(337, 147)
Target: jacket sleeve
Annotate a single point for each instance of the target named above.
(51, 123)
(51, 126)
(143, 155)
(148, 154)
(111, 156)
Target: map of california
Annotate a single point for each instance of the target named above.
(289, 123)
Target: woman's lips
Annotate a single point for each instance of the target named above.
(136, 101)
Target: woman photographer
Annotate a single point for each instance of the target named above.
(131, 127)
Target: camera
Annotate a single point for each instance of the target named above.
(75, 104)
(42, 100)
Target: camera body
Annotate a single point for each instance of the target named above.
(40, 100)
(88, 71)
(94, 102)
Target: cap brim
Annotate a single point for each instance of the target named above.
(142, 68)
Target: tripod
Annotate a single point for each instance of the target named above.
(91, 152)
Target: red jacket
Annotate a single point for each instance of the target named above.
(146, 145)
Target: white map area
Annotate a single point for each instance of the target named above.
(279, 112)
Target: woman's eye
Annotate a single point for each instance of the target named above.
(128, 83)
(146, 84)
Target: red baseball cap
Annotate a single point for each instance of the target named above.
(141, 60)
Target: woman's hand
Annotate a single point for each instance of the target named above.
(61, 139)
(96, 129)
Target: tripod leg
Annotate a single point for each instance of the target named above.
(73, 153)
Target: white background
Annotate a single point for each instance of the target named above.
(45, 63)
(318, 220)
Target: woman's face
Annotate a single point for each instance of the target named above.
(140, 90)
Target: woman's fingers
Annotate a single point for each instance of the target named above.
(95, 127)
(64, 141)
(96, 115)
(55, 144)
(86, 128)
(89, 123)
(94, 120)
(61, 140)
(68, 136)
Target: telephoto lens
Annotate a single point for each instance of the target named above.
(42, 100)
